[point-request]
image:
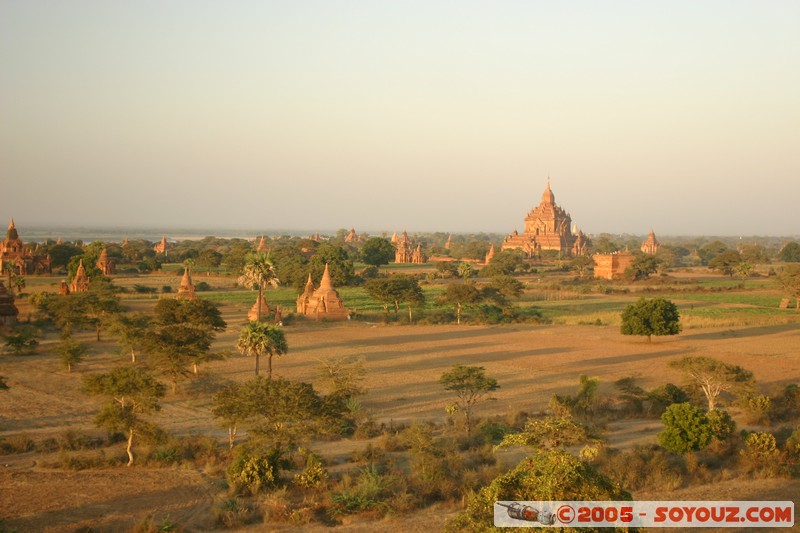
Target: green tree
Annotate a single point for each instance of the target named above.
(131, 394)
(377, 251)
(458, 295)
(656, 316)
(713, 377)
(548, 432)
(183, 334)
(470, 385)
(61, 254)
(99, 304)
(726, 262)
(394, 290)
(790, 253)
(130, 330)
(642, 266)
(686, 429)
(508, 287)
(409, 292)
(19, 341)
(545, 475)
(465, 270)
(340, 266)
(581, 264)
(258, 272)
(789, 279)
(258, 339)
(505, 262)
(70, 352)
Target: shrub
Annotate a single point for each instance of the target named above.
(758, 408)
(313, 475)
(545, 475)
(761, 454)
(686, 428)
(252, 473)
(722, 425)
(662, 397)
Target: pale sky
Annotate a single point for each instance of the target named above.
(681, 116)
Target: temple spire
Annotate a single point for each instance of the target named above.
(325, 282)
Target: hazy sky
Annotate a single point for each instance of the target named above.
(683, 116)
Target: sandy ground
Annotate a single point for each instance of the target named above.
(404, 364)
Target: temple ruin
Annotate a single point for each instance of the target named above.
(15, 257)
(107, 266)
(186, 288)
(612, 266)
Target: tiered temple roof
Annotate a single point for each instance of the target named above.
(323, 302)
(547, 227)
(650, 245)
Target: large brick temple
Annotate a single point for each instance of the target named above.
(547, 227)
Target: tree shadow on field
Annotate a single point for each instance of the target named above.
(112, 514)
(437, 359)
(449, 335)
(604, 361)
(756, 331)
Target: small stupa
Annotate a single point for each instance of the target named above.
(252, 315)
(186, 289)
(106, 265)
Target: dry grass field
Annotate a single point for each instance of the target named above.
(404, 363)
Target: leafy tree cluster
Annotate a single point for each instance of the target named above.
(655, 316)
(395, 290)
(790, 253)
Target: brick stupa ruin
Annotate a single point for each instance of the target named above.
(186, 289)
(106, 265)
(547, 227)
(252, 314)
(323, 302)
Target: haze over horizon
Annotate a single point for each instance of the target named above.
(682, 117)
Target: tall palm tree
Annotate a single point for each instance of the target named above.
(258, 272)
(258, 338)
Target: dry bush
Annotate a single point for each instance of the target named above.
(16, 444)
(643, 468)
(230, 513)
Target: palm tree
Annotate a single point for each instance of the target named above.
(258, 272)
(257, 338)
